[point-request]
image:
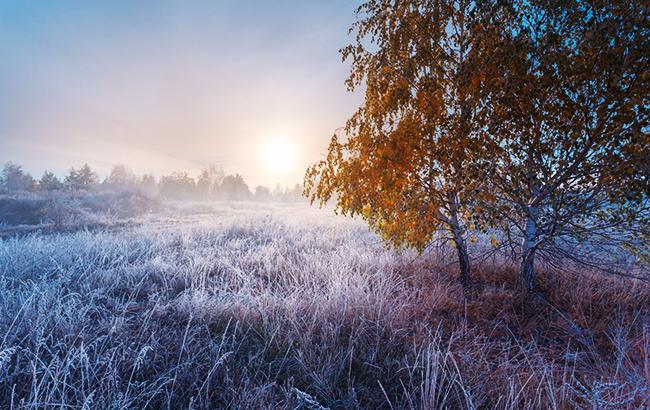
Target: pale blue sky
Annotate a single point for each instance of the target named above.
(167, 85)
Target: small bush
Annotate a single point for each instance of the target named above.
(66, 210)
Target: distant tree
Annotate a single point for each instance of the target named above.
(262, 193)
(82, 179)
(412, 164)
(233, 187)
(49, 182)
(278, 191)
(148, 184)
(120, 177)
(15, 179)
(571, 124)
(178, 185)
(208, 182)
(284, 194)
(296, 194)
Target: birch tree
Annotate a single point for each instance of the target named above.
(571, 121)
(413, 156)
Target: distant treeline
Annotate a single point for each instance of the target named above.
(211, 184)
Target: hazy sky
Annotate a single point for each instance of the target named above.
(173, 85)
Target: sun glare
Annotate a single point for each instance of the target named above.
(279, 155)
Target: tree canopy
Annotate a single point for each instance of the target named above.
(416, 150)
(571, 124)
(520, 115)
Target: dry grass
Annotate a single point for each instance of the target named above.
(280, 307)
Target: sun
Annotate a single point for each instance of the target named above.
(279, 155)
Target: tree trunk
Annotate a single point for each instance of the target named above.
(461, 246)
(463, 261)
(527, 270)
(528, 248)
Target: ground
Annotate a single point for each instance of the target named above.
(244, 305)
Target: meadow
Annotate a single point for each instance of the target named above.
(489, 161)
(248, 305)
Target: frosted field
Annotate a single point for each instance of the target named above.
(78, 308)
(277, 306)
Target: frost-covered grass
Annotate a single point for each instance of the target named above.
(58, 211)
(263, 306)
